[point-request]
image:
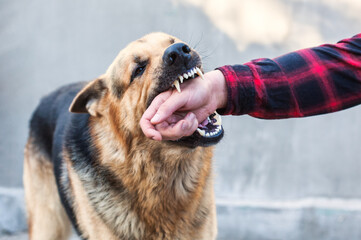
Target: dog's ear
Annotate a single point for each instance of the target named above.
(88, 99)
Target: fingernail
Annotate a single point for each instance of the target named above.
(190, 116)
(155, 118)
(155, 138)
(185, 126)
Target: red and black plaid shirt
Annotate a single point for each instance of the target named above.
(303, 83)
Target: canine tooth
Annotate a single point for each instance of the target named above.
(200, 73)
(181, 79)
(201, 132)
(176, 84)
(185, 76)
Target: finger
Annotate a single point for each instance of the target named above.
(168, 107)
(156, 103)
(191, 126)
(202, 114)
(145, 124)
(184, 127)
(176, 117)
(149, 130)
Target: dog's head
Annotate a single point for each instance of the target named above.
(142, 70)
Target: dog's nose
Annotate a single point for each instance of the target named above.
(178, 53)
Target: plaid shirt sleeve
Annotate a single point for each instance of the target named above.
(307, 82)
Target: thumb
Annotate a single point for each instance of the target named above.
(155, 105)
(168, 107)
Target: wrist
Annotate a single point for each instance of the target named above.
(219, 89)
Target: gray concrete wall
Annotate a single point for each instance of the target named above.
(279, 179)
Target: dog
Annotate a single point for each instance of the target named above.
(87, 163)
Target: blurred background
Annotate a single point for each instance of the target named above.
(275, 179)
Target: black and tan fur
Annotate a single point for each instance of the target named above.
(96, 169)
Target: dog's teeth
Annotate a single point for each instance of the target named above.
(176, 84)
(208, 135)
(201, 132)
(185, 76)
(200, 73)
(189, 74)
(181, 79)
(218, 119)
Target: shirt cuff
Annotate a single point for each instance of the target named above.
(240, 90)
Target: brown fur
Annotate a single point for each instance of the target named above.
(152, 190)
(46, 216)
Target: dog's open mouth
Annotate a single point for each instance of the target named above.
(210, 131)
(211, 127)
(181, 64)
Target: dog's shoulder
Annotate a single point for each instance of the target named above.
(52, 110)
(53, 105)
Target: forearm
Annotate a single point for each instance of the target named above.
(303, 83)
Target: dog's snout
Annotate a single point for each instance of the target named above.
(175, 54)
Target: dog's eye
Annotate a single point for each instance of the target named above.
(138, 71)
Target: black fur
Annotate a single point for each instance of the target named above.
(98, 181)
(54, 129)
(48, 125)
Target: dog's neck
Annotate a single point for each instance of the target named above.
(158, 183)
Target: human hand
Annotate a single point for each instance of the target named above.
(173, 115)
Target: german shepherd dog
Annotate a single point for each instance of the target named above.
(93, 167)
